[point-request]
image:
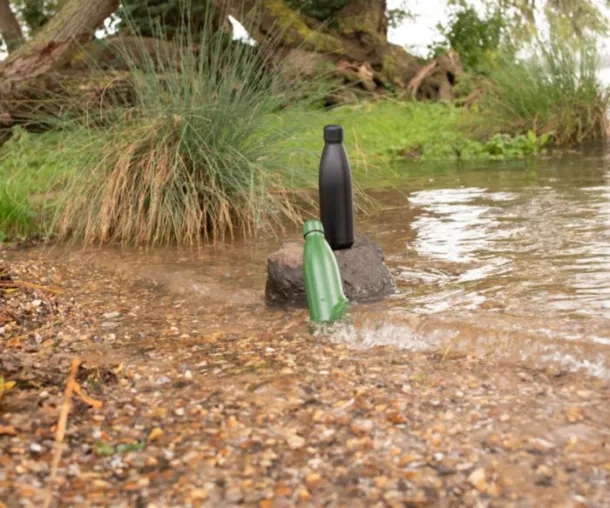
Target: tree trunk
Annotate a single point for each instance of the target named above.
(26, 77)
(10, 30)
(354, 42)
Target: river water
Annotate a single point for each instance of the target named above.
(509, 260)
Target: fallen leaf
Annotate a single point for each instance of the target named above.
(407, 459)
(7, 430)
(155, 433)
(130, 447)
(396, 418)
(198, 495)
(283, 490)
(381, 481)
(212, 337)
(313, 480)
(5, 386)
(304, 494)
(575, 414)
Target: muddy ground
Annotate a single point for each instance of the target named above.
(207, 403)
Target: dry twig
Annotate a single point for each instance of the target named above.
(71, 386)
(20, 283)
(61, 430)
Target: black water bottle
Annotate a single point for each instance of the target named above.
(335, 185)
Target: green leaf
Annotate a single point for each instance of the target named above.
(102, 449)
(131, 447)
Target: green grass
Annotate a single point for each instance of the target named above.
(214, 151)
(32, 169)
(381, 133)
(279, 152)
(554, 94)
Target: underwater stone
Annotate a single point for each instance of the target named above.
(364, 274)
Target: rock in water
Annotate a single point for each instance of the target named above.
(364, 274)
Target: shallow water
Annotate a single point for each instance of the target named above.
(509, 260)
(523, 247)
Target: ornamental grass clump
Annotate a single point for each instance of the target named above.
(197, 155)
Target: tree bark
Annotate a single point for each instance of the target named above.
(26, 76)
(355, 43)
(10, 29)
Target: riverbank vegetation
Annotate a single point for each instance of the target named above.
(227, 141)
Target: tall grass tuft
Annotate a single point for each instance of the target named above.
(555, 94)
(198, 155)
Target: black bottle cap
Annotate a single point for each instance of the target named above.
(333, 134)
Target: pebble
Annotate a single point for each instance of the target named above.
(74, 470)
(198, 495)
(234, 494)
(313, 480)
(477, 479)
(362, 426)
(295, 442)
(384, 429)
(392, 496)
(162, 380)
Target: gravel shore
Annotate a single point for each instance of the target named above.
(222, 405)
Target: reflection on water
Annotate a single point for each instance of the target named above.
(455, 224)
(523, 249)
(515, 260)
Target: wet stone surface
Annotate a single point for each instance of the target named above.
(364, 274)
(232, 404)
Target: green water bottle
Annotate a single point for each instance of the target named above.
(323, 286)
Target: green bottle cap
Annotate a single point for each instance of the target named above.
(312, 225)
